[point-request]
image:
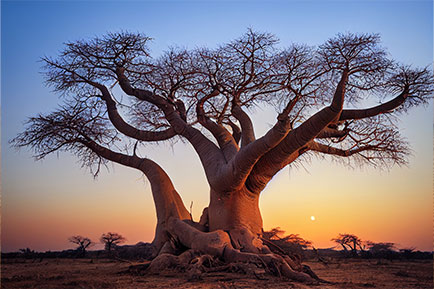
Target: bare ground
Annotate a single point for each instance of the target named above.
(88, 273)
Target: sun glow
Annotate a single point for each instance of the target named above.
(312, 218)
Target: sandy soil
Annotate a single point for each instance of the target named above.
(87, 273)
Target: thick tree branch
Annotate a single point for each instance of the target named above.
(125, 128)
(113, 113)
(247, 131)
(141, 94)
(77, 129)
(168, 202)
(294, 144)
(212, 158)
(209, 154)
(328, 132)
(376, 110)
(266, 168)
(326, 149)
(313, 126)
(225, 140)
(241, 165)
(339, 96)
(236, 131)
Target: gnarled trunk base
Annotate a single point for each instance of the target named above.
(213, 251)
(227, 238)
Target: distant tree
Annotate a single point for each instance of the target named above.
(111, 240)
(407, 253)
(27, 253)
(411, 253)
(290, 244)
(349, 243)
(381, 250)
(82, 242)
(378, 247)
(407, 250)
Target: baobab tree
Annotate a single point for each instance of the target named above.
(349, 243)
(204, 97)
(82, 242)
(111, 240)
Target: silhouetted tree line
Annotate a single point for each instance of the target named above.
(353, 246)
(291, 245)
(111, 243)
(139, 251)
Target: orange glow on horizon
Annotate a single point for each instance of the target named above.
(372, 209)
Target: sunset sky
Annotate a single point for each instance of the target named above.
(45, 202)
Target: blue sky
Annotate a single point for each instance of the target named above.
(32, 29)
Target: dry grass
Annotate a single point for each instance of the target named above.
(86, 273)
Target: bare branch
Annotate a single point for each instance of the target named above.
(236, 131)
(373, 111)
(247, 131)
(373, 141)
(241, 165)
(224, 138)
(413, 85)
(173, 94)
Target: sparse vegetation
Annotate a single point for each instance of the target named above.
(104, 273)
(350, 243)
(111, 240)
(30, 269)
(27, 253)
(291, 245)
(83, 244)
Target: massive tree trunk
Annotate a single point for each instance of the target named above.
(238, 214)
(229, 231)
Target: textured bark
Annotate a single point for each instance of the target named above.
(247, 132)
(226, 141)
(218, 243)
(237, 213)
(376, 110)
(295, 142)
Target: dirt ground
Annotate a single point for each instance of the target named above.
(87, 273)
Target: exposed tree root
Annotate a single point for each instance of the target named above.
(213, 252)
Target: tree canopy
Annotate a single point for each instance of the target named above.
(111, 240)
(83, 243)
(193, 94)
(289, 244)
